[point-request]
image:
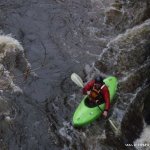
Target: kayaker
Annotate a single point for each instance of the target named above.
(98, 93)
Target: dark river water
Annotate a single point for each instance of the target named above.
(59, 38)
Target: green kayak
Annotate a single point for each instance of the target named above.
(85, 114)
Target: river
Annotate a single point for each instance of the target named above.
(59, 37)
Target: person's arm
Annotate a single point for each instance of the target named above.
(106, 96)
(88, 86)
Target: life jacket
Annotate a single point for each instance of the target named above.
(96, 92)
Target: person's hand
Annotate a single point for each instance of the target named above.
(88, 92)
(105, 113)
(97, 101)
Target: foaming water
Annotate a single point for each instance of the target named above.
(143, 142)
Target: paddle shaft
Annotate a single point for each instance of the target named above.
(100, 108)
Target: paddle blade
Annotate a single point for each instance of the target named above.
(77, 80)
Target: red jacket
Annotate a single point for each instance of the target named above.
(104, 92)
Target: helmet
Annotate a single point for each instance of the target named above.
(99, 79)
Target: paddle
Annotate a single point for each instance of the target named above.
(78, 81)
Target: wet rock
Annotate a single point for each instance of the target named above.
(132, 123)
(101, 66)
(146, 110)
(138, 10)
(5, 119)
(113, 14)
(4, 106)
(128, 58)
(117, 5)
(134, 13)
(12, 54)
(130, 46)
(11, 57)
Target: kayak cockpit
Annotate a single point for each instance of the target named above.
(91, 104)
(85, 113)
